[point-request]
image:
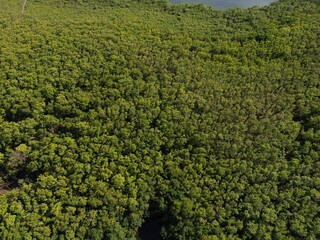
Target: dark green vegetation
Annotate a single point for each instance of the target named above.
(119, 111)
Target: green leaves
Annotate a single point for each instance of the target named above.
(206, 119)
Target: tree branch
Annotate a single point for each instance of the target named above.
(23, 7)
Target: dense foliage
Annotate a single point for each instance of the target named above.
(113, 112)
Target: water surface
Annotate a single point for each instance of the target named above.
(223, 4)
(150, 230)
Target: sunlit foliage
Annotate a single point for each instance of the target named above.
(112, 112)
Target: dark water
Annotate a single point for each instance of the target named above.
(222, 4)
(150, 230)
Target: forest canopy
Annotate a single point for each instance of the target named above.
(116, 112)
